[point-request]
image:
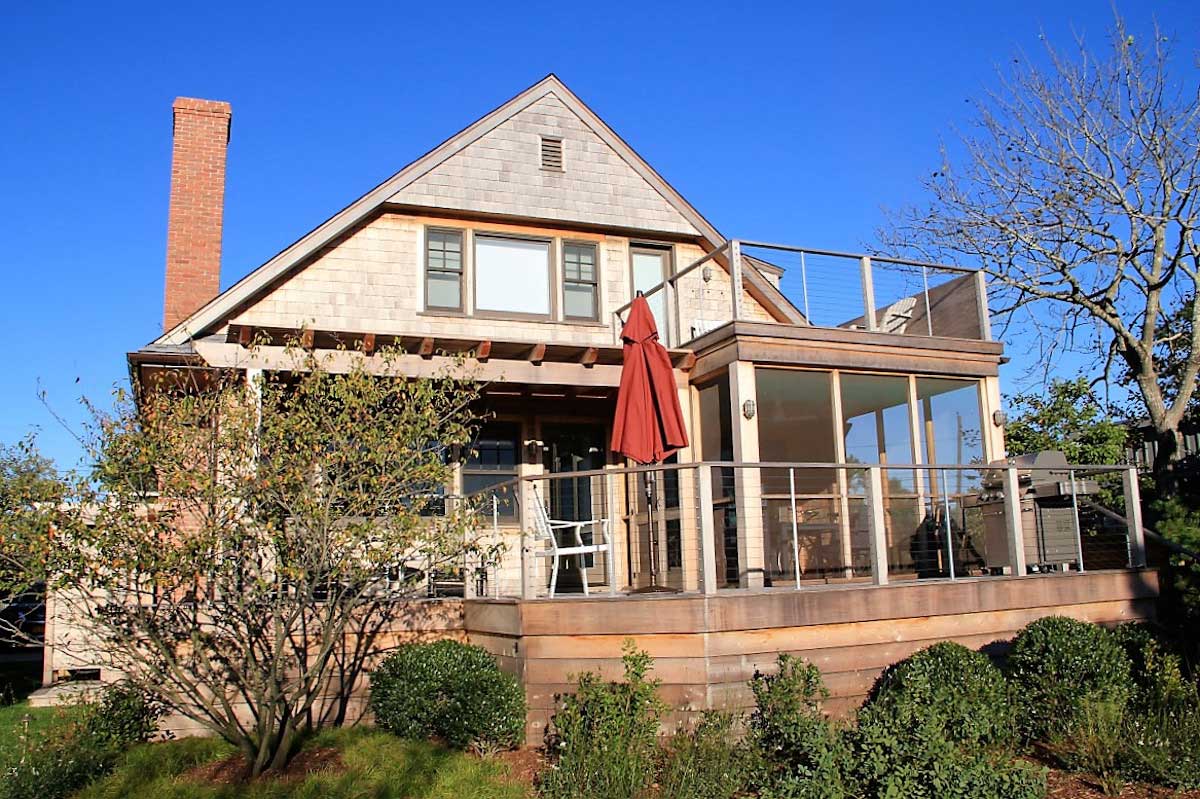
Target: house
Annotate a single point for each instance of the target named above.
(844, 494)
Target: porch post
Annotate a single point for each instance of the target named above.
(735, 278)
(868, 291)
(876, 526)
(747, 481)
(688, 504)
(1013, 522)
(1133, 516)
(706, 531)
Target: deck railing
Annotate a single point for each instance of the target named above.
(714, 526)
(849, 291)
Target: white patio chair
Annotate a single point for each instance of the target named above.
(548, 530)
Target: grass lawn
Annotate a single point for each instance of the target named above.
(12, 725)
(356, 762)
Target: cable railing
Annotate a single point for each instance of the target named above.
(828, 289)
(714, 526)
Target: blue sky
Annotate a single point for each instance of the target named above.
(793, 122)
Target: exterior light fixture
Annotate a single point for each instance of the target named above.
(749, 408)
(999, 418)
(706, 273)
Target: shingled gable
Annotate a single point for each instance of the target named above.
(548, 101)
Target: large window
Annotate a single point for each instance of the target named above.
(951, 430)
(443, 269)
(877, 425)
(795, 423)
(512, 275)
(494, 460)
(580, 281)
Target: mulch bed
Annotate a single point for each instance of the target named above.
(1063, 785)
(523, 765)
(229, 770)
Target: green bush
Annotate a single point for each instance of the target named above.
(959, 687)
(906, 753)
(707, 762)
(1156, 670)
(603, 739)
(84, 743)
(804, 754)
(448, 690)
(1162, 746)
(1056, 666)
(1095, 744)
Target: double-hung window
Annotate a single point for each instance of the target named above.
(444, 269)
(580, 281)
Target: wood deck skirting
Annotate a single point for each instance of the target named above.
(706, 648)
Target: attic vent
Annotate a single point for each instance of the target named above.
(552, 153)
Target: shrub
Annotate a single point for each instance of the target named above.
(804, 754)
(603, 740)
(1156, 670)
(906, 753)
(450, 690)
(1056, 666)
(1095, 744)
(959, 687)
(1162, 745)
(706, 762)
(83, 744)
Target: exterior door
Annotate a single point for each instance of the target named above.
(574, 448)
(650, 266)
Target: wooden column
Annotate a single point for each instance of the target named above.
(868, 293)
(1013, 522)
(706, 531)
(735, 279)
(876, 525)
(1133, 516)
(747, 481)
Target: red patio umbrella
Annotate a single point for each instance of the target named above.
(649, 422)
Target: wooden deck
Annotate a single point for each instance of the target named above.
(705, 648)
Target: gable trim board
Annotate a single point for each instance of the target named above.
(220, 308)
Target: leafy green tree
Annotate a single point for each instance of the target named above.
(30, 491)
(239, 545)
(1068, 417)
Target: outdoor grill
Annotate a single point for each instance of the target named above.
(1048, 518)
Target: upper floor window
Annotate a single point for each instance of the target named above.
(512, 275)
(580, 281)
(444, 269)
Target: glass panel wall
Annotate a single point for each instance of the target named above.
(796, 424)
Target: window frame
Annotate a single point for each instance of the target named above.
(462, 270)
(551, 288)
(594, 282)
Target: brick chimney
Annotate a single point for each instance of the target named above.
(201, 135)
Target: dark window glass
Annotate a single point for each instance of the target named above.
(493, 461)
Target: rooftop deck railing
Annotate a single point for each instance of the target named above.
(715, 526)
(829, 289)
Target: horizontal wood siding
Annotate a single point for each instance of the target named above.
(706, 649)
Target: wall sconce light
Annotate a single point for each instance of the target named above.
(706, 273)
(749, 408)
(999, 418)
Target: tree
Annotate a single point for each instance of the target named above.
(30, 491)
(1068, 418)
(238, 547)
(1079, 192)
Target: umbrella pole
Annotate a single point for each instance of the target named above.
(650, 531)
